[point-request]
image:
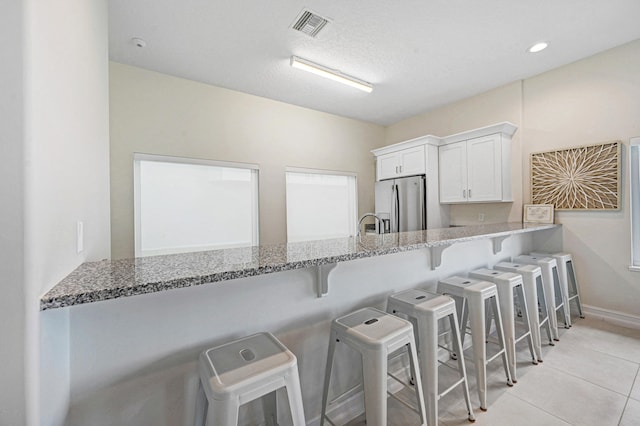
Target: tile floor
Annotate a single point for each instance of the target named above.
(590, 377)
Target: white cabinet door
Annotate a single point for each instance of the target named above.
(406, 162)
(387, 166)
(472, 171)
(484, 169)
(452, 164)
(412, 161)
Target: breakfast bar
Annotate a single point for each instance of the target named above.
(112, 279)
(132, 357)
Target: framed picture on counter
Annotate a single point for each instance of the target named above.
(538, 213)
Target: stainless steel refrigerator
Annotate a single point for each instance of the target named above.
(403, 202)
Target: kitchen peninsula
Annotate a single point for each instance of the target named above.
(96, 281)
(131, 357)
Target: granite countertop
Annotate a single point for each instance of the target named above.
(112, 279)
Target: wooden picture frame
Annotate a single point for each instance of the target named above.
(582, 178)
(538, 213)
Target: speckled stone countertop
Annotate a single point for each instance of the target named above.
(112, 279)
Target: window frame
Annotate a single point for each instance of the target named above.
(305, 170)
(137, 157)
(634, 202)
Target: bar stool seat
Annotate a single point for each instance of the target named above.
(510, 286)
(471, 297)
(424, 310)
(568, 281)
(534, 291)
(553, 289)
(374, 334)
(241, 371)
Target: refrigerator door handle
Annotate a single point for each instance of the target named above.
(392, 214)
(423, 206)
(397, 200)
(395, 208)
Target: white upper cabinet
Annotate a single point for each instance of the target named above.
(484, 169)
(476, 170)
(404, 162)
(472, 166)
(453, 178)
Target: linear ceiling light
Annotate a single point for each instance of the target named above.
(331, 74)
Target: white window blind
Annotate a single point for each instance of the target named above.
(184, 205)
(320, 204)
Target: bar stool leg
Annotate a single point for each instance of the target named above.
(223, 413)
(505, 300)
(327, 375)
(294, 394)
(560, 296)
(550, 300)
(375, 387)
(571, 278)
(478, 343)
(531, 296)
(201, 405)
(499, 329)
(542, 301)
(457, 347)
(564, 284)
(428, 335)
(419, 389)
(522, 301)
(463, 319)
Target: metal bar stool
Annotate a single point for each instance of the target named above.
(244, 370)
(552, 288)
(471, 297)
(568, 280)
(375, 335)
(424, 310)
(537, 304)
(510, 287)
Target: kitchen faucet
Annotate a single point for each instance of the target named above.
(369, 215)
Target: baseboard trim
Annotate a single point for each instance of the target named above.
(614, 317)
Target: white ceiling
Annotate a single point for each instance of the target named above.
(418, 54)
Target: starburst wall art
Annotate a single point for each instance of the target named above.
(582, 178)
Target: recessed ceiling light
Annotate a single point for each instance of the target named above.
(331, 74)
(538, 47)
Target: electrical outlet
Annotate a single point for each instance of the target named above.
(79, 237)
(481, 217)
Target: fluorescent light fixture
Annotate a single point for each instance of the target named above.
(335, 75)
(538, 47)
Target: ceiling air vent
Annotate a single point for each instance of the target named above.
(309, 23)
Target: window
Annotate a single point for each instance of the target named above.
(184, 205)
(634, 174)
(320, 204)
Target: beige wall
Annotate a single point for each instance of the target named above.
(591, 101)
(159, 114)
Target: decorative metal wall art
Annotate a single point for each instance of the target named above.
(582, 178)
